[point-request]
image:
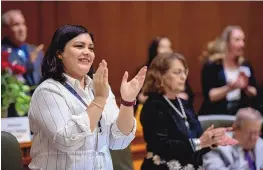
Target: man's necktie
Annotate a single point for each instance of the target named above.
(251, 162)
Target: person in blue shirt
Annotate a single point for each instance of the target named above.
(20, 52)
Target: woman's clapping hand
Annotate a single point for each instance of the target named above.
(130, 89)
(217, 136)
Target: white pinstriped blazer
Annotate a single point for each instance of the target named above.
(62, 139)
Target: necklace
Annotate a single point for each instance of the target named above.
(181, 114)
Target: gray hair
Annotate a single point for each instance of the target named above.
(247, 114)
(225, 36)
(7, 16)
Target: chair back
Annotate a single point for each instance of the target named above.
(11, 156)
(217, 120)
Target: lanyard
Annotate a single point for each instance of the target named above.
(80, 99)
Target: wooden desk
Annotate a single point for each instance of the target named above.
(25, 149)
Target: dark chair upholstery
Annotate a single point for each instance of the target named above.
(217, 120)
(11, 156)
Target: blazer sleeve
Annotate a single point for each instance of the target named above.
(209, 78)
(156, 134)
(252, 79)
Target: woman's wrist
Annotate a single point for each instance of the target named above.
(197, 143)
(101, 101)
(128, 103)
(229, 87)
(250, 91)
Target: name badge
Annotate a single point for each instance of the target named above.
(245, 70)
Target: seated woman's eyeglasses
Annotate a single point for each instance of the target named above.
(179, 72)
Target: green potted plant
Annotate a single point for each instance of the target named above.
(13, 89)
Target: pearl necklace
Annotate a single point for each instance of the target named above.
(181, 114)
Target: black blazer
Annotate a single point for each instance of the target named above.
(165, 132)
(213, 76)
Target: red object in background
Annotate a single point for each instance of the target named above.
(4, 60)
(4, 56)
(4, 65)
(16, 69)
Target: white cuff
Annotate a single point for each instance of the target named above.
(118, 134)
(197, 144)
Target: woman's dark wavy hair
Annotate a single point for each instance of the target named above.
(52, 66)
(152, 50)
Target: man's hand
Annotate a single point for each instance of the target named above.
(33, 55)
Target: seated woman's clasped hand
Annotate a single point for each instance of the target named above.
(213, 137)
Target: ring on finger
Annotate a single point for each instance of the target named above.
(213, 137)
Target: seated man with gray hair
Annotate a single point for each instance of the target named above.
(14, 43)
(248, 154)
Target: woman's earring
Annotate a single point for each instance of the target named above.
(59, 57)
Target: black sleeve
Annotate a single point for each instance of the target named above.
(156, 134)
(252, 79)
(253, 101)
(209, 78)
(197, 156)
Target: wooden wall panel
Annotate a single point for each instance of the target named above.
(123, 30)
(254, 43)
(48, 22)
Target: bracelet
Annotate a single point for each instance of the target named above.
(98, 105)
(127, 103)
(197, 143)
